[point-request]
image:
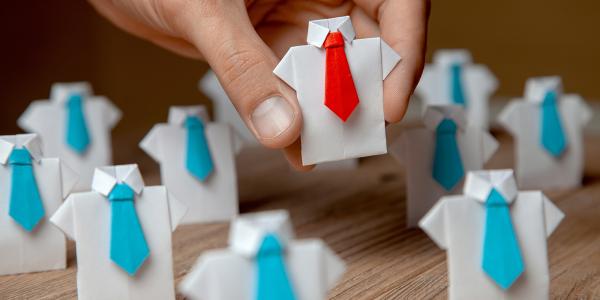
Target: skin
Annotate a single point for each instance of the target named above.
(242, 41)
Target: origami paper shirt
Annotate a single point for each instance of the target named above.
(451, 69)
(325, 137)
(44, 248)
(50, 119)
(86, 218)
(415, 150)
(536, 167)
(457, 224)
(232, 273)
(214, 199)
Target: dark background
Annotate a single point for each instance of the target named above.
(66, 40)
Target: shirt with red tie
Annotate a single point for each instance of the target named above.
(323, 76)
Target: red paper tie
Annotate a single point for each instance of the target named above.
(340, 93)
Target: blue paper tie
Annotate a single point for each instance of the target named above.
(447, 164)
(456, 86)
(198, 161)
(26, 206)
(502, 259)
(273, 282)
(552, 133)
(77, 135)
(128, 247)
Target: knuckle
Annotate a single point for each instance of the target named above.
(240, 64)
(175, 12)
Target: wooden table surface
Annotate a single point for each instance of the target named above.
(361, 215)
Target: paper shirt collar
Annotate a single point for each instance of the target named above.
(248, 230)
(479, 184)
(319, 29)
(448, 57)
(434, 114)
(537, 87)
(30, 141)
(178, 114)
(61, 91)
(105, 178)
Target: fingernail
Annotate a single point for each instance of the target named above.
(272, 117)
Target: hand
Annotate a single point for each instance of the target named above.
(243, 41)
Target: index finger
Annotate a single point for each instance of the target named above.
(403, 26)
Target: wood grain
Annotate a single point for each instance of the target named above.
(360, 214)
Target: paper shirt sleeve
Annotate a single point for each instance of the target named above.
(32, 120)
(334, 266)
(552, 214)
(509, 118)
(195, 284)
(487, 80)
(200, 281)
(490, 146)
(389, 59)
(69, 178)
(434, 224)
(64, 218)
(585, 112)
(151, 143)
(285, 69)
(177, 211)
(111, 113)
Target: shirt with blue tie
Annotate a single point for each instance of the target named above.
(78, 132)
(495, 238)
(416, 150)
(87, 218)
(212, 197)
(543, 163)
(303, 269)
(453, 78)
(20, 245)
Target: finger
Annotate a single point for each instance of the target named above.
(293, 155)
(244, 64)
(403, 26)
(141, 30)
(364, 25)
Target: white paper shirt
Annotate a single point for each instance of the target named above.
(415, 150)
(478, 84)
(44, 248)
(231, 273)
(86, 218)
(215, 199)
(535, 167)
(48, 118)
(457, 223)
(324, 136)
